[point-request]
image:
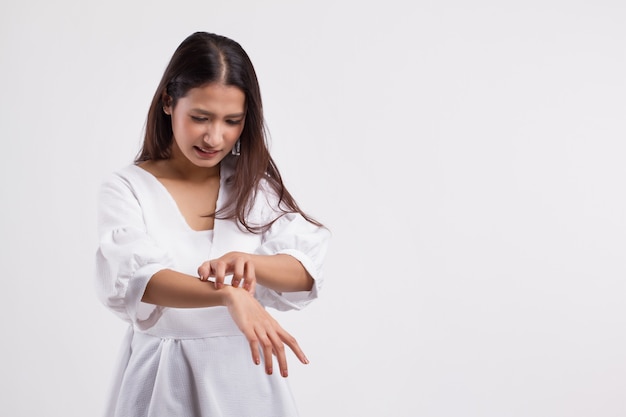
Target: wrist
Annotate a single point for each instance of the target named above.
(230, 296)
(225, 295)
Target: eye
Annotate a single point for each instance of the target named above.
(234, 122)
(199, 119)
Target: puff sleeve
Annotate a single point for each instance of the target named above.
(127, 256)
(293, 235)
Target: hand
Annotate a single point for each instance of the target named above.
(236, 263)
(261, 330)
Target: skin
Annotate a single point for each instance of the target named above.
(206, 124)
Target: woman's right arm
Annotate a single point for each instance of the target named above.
(169, 288)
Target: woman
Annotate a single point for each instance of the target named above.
(197, 237)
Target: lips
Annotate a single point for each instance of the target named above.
(205, 151)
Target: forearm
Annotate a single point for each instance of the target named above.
(281, 272)
(169, 288)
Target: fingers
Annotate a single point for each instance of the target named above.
(243, 270)
(279, 351)
(266, 346)
(218, 269)
(264, 334)
(213, 268)
(239, 271)
(273, 343)
(290, 341)
(260, 341)
(254, 348)
(249, 278)
(270, 344)
(231, 263)
(271, 339)
(204, 271)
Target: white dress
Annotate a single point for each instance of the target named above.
(190, 362)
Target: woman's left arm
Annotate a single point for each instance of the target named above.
(279, 272)
(288, 262)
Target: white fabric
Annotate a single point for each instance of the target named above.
(190, 362)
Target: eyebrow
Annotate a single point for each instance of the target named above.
(208, 113)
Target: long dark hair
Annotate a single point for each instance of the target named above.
(203, 58)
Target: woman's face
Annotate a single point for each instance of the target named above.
(207, 122)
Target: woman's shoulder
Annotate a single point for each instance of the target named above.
(128, 176)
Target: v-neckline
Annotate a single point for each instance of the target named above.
(174, 204)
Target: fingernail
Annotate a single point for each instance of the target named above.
(285, 374)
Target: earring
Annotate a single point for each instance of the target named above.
(237, 148)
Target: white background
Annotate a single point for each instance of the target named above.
(468, 157)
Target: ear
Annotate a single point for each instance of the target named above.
(167, 104)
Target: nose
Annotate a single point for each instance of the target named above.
(213, 134)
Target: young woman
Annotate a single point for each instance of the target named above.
(197, 237)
